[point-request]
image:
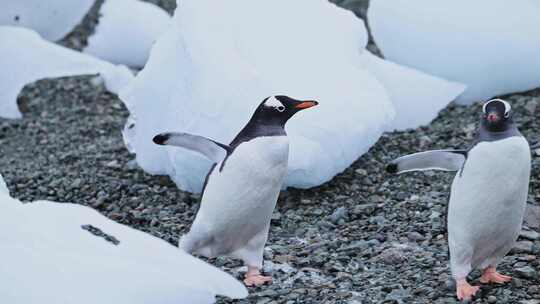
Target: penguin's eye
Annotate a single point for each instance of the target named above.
(507, 114)
(280, 108)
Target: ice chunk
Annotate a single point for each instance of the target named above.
(219, 60)
(66, 253)
(25, 57)
(463, 41)
(124, 39)
(52, 19)
(417, 97)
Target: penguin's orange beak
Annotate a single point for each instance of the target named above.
(306, 104)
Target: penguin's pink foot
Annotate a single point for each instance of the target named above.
(254, 278)
(491, 275)
(465, 291)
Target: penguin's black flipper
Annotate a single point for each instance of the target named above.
(445, 160)
(213, 150)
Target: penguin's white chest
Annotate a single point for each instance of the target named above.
(495, 173)
(242, 193)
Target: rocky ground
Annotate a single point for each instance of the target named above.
(364, 237)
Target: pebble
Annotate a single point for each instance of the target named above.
(76, 183)
(523, 247)
(338, 214)
(530, 235)
(434, 215)
(392, 256)
(526, 272)
(415, 236)
(98, 202)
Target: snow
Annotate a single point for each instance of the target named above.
(417, 96)
(51, 259)
(489, 45)
(25, 57)
(124, 39)
(52, 19)
(253, 49)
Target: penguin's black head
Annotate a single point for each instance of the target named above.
(278, 109)
(497, 115)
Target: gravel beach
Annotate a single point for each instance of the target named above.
(364, 237)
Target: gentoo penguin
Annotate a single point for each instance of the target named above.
(487, 198)
(242, 188)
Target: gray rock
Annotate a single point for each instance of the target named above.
(338, 214)
(526, 272)
(357, 245)
(523, 247)
(398, 295)
(99, 202)
(392, 256)
(76, 183)
(530, 235)
(132, 164)
(415, 236)
(435, 215)
(364, 209)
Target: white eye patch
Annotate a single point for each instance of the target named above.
(507, 106)
(273, 102)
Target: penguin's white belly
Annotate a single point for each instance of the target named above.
(487, 202)
(238, 201)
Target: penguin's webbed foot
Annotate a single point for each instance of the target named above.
(255, 278)
(465, 291)
(490, 275)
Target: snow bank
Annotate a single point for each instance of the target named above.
(417, 97)
(127, 38)
(52, 19)
(25, 57)
(489, 45)
(49, 258)
(217, 62)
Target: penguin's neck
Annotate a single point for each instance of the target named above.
(258, 128)
(484, 134)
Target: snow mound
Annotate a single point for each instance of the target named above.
(25, 57)
(463, 41)
(417, 97)
(52, 19)
(66, 253)
(120, 38)
(253, 49)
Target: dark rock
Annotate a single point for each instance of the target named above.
(523, 247)
(526, 272)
